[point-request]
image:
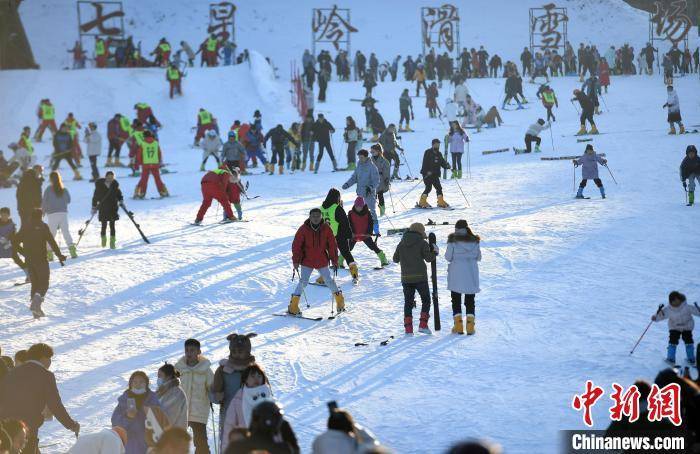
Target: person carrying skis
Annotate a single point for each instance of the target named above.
(363, 229)
(47, 115)
(314, 248)
(174, 77)
(406, 110)
(215, 186)
(30, 242)
(233, 153)
(433, 162)
(278, 136)
(680, 324)
(205, 122)
(690, 170)
(587, 108)
(589, 170)
(149, 157)
(456, 139)
(412, 253)
(105, 202)
(674, 111)
(549, 100)
(211, 147)
(533, 135)
(463, 254)
(366, 177)
(384, 169)
(389, 146)
(352, 135)
(322, 130)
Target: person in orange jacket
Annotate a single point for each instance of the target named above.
(149, 157)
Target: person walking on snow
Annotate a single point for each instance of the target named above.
(352, 136)
(205, 122)
(211, 146)
(587, 108)
(93, 143)
(171, 396)
(680, 324)
(433, 162)
(389, 146)
(533, 135)
(405, 110)
(363, 229)
(278, 137)
(215, 186)
(412, 253)
(174, 77)
(549, 100)
(456, 139)
(63, 149)
(384, 169)
(463, 254)
(589, 170)
(47, 115)
(254, 146)
(690, 170)
(149, 156)
(366, 177)
(105, 202)
(55, 206)
(322, 130)
(674, 111)
(314, 248)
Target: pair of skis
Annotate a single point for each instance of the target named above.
(313, 319)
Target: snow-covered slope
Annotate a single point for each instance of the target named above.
(281, 29)
(567, 285)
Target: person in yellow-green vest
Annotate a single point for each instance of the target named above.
(134, 142)
(205, 122)
(73, 127)
(210, 50)
(174, 76)
(162, 53)
(549, 100)
(100, 53)
(149, 157)
(47, 115)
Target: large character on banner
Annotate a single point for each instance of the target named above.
(331, 25)
(440, 27)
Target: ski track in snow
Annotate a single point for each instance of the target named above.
(567, 285)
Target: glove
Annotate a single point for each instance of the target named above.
(412, 117)
(653, 318)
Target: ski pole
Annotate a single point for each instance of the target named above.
(303, 290)
(551, 136)
(411, 190)
(391, 198)
(469, 161)
(574, 178)
(661, 306)
(611, 174)
(469, 205)
(604, 103)
(408, 166)
(213, 427)
(577, 111)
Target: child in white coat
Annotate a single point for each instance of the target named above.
(680, 324)
(463, 254)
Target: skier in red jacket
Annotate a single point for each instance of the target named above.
(216, 185)
(314, 248)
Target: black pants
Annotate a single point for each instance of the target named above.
(200, 439)
(595, 180)
(380, 198)
(39, 274)
(321, 147)
(457, 161)
(674, 335)
(352, 152)
(457, 303)
(420, 83)
(550, 115)
(409, 294)
(587, 115)
(369, 242)
(56, 160)
(93, 166)
(322, 92)
(529, 138)
(277, 152)
(430, 182)
(344, 248)
(405, 116)
(112, 231)
(115, 145)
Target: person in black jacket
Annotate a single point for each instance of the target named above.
(267, 423)
(690, 170)
(279, 138)
(29, 192)
(433, 163)
(307, 142)
(587, 108)
(106, 200)
(334, 214)
(322, 130)
(30, 242)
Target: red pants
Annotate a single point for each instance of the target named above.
(211, 191)
(101, 61)
(175, 86)
(77, 151)
(51, 124)
(146, 170)
(211, 58)
(202, 129)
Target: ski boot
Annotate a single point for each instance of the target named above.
(164, 192)
(594, 130)
(582, 131)
(109, 162)
(117, 163)
(293, 307)
(682, 129)
(196, 222)
(671, 354)
(441, 202)
(311, 166)
(339, 301)
(691, 198)
(408, 325)
(537, 149)
(280, 169)
(454, 174)
(382, 258)
(579, 193)
(73, 251)
(470, 324)
(458, 328)
(320, 281)
(381, 210)
(76, 175)
(408, 128)
(104, 241)
(602, 192)
(354, 272)
(137, 194)
(303, 166)
(318, 163)
(239, 211)
(423, 325)
(690, 353)
(112, 242)
(351, 166)
(49, 256)
(459, 174)
(335, 165)
(423, 202)
(672, 131)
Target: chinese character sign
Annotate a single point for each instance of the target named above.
(331, 25)
(221, 20)
(670, 20)
(440, 27)
(101, 19)
(548, 27)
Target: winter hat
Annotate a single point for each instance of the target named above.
(540, 121)
(232, 133)
(589, 147)
(435, 141)
(418, 228)
(363, 152)
(691, 149)
(211, 133)
(122, 434)
(239, 348)
(359, 202)
(377, 147)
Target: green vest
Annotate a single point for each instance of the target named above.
(125, 124)
(211, 44)
(173, 74)
(150, 152)
(204, 117)
(221, 171)
(99, 48)
(48, 112)
(138, 137)
(29, 146)
(329, 217)
(548, 97)
(73, 128)
(164, 47)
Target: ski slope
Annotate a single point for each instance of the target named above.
(567, 285)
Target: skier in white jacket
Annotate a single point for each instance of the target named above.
(450, 110)
(463, 254)
(211, 146)
(674, 111)
(93, 142)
